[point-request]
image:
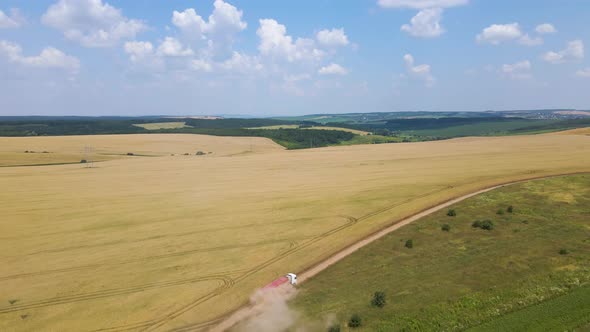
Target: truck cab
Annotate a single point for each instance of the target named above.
(292, 278)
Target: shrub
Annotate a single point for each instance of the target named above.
(378, 299)
(409, 244)
(200, 153)
(500, 212)
(130, 154)
(510, 209)
(563, 251)
(446, 228)
(334, 328)
(355, 321)
(83, 161)
(451, 213)
(487, 225)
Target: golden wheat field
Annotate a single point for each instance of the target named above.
(172, 243)
(16, 151)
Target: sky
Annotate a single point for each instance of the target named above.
(269, 58)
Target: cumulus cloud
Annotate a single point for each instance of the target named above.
(421, 4)
(421, 72)
(498, 33)
(91, 23)
(425, 24)
(189, 22)
(219, 30)
(530, 41)
(519, 70)
(583, 72)
(545, 28)
(333, 69)
(14, 20)
(573, 51)
(275, 42)
(49, 57)
(332, 38)
(172, 47)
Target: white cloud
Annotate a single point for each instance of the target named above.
(220, 29)
(573, 51)
(583, 72)
(425, 24)
(14, 20)
(421, 72)
(545, 28)
(138, 50)
(528, 41)
(333, 69)
(421, 4)
(189, 22)
(225, 19)
(173, 47)
(49, 57)
(519, 70)
(332, 38)
(498, 33)
(274, 41)
(91, 23)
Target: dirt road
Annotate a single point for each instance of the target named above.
(252, 310)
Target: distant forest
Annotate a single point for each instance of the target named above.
(298, 136)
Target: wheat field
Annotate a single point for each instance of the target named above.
(172, 243)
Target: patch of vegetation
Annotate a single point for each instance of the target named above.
(487, 224)
(563, 313)
(409, 244)
(378, 299)
(494, 281)
(563, 251)
(446, 228)
(355, 321)
(452, 213)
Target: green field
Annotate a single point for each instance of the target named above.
(512, 278)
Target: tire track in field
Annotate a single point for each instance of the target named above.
(148, 258)
(157, 237)
(224, 278)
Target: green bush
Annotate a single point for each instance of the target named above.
(446, 228)
(378, 299)
(487, 225)
(510, 209)
(355, 321)
(563, 251)
(409, 244)
(451, 213)
(500, 212)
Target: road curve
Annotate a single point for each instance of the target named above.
(248, 311)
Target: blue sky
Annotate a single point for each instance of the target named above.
(147, 57)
